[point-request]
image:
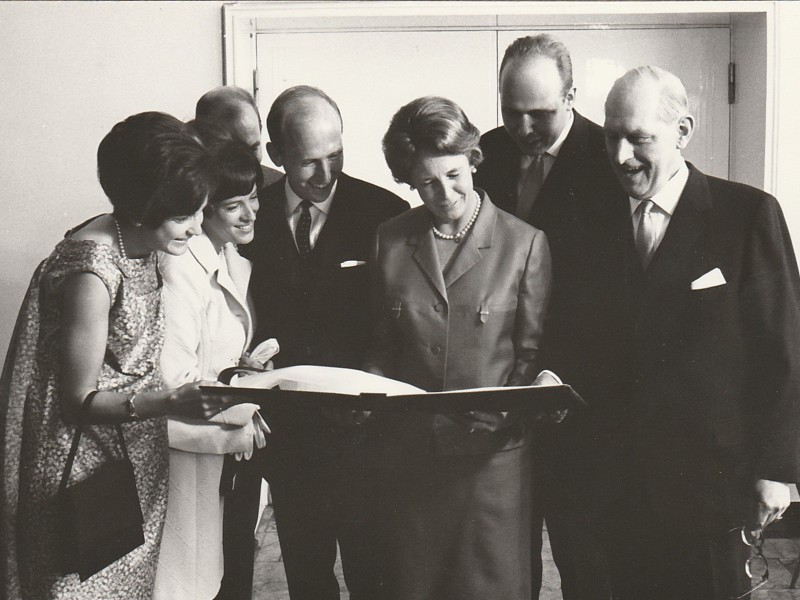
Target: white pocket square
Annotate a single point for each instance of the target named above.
(711, 279)
(352, 263)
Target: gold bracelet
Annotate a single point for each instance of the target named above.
(131, 407)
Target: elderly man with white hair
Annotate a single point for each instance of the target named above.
(711, 294)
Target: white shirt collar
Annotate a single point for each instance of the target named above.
(293, 200)
(556, 147)
(666, 199)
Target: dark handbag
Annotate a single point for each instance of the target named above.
(99, 519)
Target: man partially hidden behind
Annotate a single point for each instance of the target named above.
(547, 165)
(712, 334)
(310, 289)
(235, 110)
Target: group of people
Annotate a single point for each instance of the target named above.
(549, 249)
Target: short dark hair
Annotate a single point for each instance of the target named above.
(237, 169)
(224, 105)
(546, 45)
(281, 105)
(152, 169)
(429, 124)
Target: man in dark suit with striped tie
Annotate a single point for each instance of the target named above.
(711, 294)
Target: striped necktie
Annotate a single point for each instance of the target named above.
(531, 185)
(645, 232)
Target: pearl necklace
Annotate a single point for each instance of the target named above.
(457, 237)
(119, 239)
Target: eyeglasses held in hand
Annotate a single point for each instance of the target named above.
(756, 567)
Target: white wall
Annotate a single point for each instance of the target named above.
(69, 72)
(786, 174)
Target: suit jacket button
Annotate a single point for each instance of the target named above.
(436, 349)
(438, 307)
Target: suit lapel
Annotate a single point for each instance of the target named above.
(426, 257)
(685, 227)
(225, 270)
(333, 232)
(562, 174)
(278, 232)
(469, 254)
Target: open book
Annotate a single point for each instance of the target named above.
(311, 386)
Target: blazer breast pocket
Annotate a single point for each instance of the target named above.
(351, 273)
(708, 307)
(492, 311)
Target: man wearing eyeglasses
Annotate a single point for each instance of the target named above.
(712, 291)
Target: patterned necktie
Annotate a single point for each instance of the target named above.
(531, 185)
(645, 233)
(302, 234)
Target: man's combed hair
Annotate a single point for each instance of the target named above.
(224, 105)
(152, 169)
(429, 124)
(674, 101)
(543, 44)
(283, 102)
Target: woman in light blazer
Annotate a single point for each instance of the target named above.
(208, 328)
(462, 290)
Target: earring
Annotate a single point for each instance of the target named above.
(474, 170)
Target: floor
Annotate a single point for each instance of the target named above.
(270, 582)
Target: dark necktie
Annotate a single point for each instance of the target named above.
(302, 234)
(530, 188)
(645, 233)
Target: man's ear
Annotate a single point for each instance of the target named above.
(569, 98)
(685, 131)
(274, 154)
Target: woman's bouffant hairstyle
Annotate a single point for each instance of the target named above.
(433, 125)
(152, 169)
(237, 168)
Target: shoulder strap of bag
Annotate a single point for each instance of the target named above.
(77, 438)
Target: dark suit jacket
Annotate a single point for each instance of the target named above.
(574, 210)
(270, 175)
(478, 325)
(715, 372)
(317, 310)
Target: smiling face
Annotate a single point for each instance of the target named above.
(644, 150)
(310, 150)
(444, 184)
(232, 220)
(173, 235)
(533, 104)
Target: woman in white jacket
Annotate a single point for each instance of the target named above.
(208, 328)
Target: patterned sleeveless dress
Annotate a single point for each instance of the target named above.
(36, 440)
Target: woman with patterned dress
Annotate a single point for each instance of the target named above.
(92, 320)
